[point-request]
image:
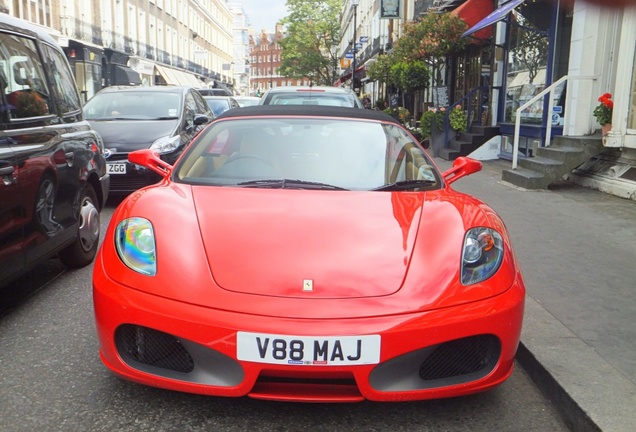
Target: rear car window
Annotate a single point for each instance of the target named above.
(25, 93)
(312, 99)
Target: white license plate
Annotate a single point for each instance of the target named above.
(312, 351)
(116, 168)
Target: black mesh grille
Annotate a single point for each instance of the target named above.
(129, 183)
(153, 348)
(461, 357)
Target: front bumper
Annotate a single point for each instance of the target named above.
(440, 353)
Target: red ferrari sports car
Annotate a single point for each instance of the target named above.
(308, 254)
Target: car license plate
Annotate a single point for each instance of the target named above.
(116, 168)
(312, 351)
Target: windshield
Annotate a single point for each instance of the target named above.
(218, 106)
(133, 105)
(307, 153)
(312, 98)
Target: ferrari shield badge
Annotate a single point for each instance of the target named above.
(308, 285)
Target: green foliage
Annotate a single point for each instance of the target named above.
(431, 40)
(312, 28)
(433, 118)
(379, 69)
(457, 119)
(434, 36)
(409, 75)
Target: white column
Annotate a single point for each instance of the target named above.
(623, 92)
(592, 53)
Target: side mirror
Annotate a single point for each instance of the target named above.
(462, 166)
(151, 160)
(200, 119)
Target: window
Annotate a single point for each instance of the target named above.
(527, 61)
(22, 81)
(63, 83)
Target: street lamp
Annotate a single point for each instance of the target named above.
(334, 62)
(354, 3)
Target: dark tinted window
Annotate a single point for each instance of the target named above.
(22, 80)
(64, 86)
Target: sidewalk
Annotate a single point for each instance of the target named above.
(577, 251)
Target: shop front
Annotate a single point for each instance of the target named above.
(86, 63)
(145, 69)
(115, 63)
(530, 51)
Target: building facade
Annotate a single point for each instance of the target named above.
(590, 44)
(240, 65)
(265, 52)
(138, 42)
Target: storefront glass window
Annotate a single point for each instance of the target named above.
(527, 61)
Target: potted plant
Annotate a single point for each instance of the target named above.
(401, 114)
(603, 112)
(432, 119)
(457, 119)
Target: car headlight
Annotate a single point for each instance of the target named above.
(135, 244)
(482, 255)
(166, 144)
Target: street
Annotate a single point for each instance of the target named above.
(53, 380)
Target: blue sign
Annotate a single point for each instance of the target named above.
(364, 39)
(349, 54)
(358, 45)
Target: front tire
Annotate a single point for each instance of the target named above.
(82, 251)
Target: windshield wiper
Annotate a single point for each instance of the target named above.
(289, 184)
(406, 185)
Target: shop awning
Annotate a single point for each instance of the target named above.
(178, 77)
(473, 12)
(346, 76)
(126, 76)
(497, 15)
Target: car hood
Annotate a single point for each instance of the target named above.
(128, 135)
(291, 242)
(252, 250)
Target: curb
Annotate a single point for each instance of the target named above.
(576, 419)
(589, 393)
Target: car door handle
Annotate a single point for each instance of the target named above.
(5, 171)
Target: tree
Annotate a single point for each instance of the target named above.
(312, 28)
(431, 40)
(413, 75)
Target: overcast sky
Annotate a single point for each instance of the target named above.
(265, 13)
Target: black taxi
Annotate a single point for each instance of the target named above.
(53, 179)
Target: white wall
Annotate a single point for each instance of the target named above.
(593, 46)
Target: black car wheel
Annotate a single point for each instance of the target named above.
(82, 251)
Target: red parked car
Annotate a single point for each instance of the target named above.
(308, 254)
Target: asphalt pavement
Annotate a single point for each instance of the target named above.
(577, 251)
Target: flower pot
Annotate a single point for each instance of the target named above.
(606, 128)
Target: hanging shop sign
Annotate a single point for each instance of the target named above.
(390, 9)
